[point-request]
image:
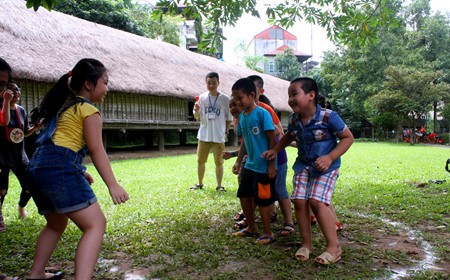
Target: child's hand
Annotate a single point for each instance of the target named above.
(236, 168)
(88, 177)
(323, 163)
(7, 95)
(226, 155)
(118, 194)
(271, 171)
(269, 154)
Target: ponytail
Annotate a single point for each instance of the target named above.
(53, 101)
(67, 87)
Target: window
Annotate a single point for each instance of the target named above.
(276, 33)
(271, 66)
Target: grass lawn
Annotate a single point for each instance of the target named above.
(395, 223)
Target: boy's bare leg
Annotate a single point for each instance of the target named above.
(266, 213)
(326, 221)
(303, 220)
(248, 209)
(286, 210)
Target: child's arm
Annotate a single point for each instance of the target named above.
(271, 170)
(322, 163)
(228, 155)
(241, 154)
(7, 96)
(284, 141)
(93, 135)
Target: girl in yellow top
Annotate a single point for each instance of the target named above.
(58, 181)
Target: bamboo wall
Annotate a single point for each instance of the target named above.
(124, 110)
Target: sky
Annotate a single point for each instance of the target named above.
(310, 39)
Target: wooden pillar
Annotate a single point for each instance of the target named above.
(160, 140)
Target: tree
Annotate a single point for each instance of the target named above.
(287, 66)
(123, 15)
(252, 61)
(348, 22)
(409, 92)
(114, 14)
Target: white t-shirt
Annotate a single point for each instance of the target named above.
(214, 112)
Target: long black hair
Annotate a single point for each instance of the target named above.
(87, 69)
(4, 67)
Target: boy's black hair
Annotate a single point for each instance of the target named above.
(246, 85)
(258, 80)
(308, 84)
(212, 75)
(87, 69)
(4, 67)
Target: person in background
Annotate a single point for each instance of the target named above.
(58, 181)
(213, 111)
(12, 148)
(14, 126)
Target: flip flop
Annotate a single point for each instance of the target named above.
(265, 240)
(302, 254)
(4, 277)
(326, 259)
(245, 233)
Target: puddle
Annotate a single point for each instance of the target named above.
(427, 262)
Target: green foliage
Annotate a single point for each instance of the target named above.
(252, 61)
(352, 22)
(123, 15)
(362, 75)
(287, 66)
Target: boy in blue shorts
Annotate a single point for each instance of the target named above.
(258, 175)
(316, 168)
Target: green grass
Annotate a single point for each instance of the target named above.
(169, 232)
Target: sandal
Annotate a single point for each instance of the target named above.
(286, 230)
(196, 186)
(326, 259)
(241, 224)
(265, 240)
(245, 233)
(313, 220)
(302, 254)
(220, 188)
(4, 277)
(58, 274)
(239, 216)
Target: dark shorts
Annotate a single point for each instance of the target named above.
(56, 180)
(257, 185)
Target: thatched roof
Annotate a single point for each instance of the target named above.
(43, 45)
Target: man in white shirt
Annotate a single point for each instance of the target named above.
(213, 111)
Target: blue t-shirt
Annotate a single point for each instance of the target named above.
(315, 139)
(253, 129)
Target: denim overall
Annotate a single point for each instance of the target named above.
(56, 174)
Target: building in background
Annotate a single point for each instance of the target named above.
(273, 41)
